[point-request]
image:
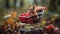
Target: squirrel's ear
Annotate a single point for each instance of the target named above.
(14, 14)
(44, 8)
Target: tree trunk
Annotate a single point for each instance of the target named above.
(7, 4)
(21, 3)
(59, 2)
(52, 6)
(15, 4)
(35, 2)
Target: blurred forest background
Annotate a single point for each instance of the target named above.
(6, 6)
